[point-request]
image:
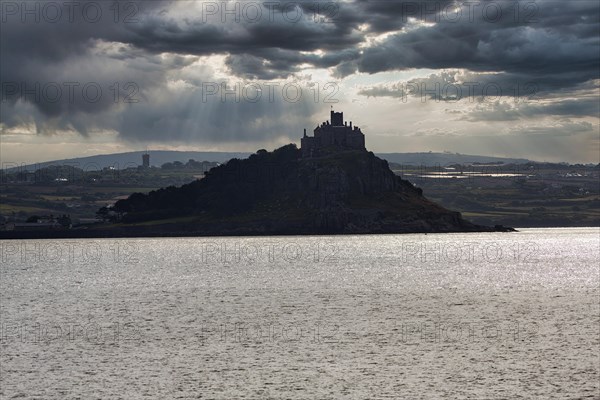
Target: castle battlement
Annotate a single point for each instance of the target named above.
(336, 134)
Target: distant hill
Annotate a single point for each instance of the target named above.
(159, 157)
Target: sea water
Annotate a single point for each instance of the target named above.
(477, 315)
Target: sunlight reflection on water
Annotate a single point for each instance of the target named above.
(481, 315)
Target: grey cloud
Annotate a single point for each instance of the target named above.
(507, 111)
(498, 96)
(558, 51)
(561, 128)
(559, 45)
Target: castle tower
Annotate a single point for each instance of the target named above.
(337, 118)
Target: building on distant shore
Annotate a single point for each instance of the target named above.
(42, 223)
(146, 160)
(337, 134)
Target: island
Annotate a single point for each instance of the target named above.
(330, 185)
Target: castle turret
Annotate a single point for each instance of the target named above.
(337, 118)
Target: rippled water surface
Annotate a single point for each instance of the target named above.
(482, 316)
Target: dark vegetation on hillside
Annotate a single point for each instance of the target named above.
(280, 192)
(232, 188)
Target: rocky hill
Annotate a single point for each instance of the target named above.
(280, 192)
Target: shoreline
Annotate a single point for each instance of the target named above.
(144, 233)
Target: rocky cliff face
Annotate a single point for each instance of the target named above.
(282, 193)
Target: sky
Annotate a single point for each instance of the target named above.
(499, 78)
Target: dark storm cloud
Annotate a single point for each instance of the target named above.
(549, 37)
(49, 62)
(481, 46)
(280, 63)
(552, 44)
(41, 57)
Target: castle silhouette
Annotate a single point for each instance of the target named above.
(337, 135)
